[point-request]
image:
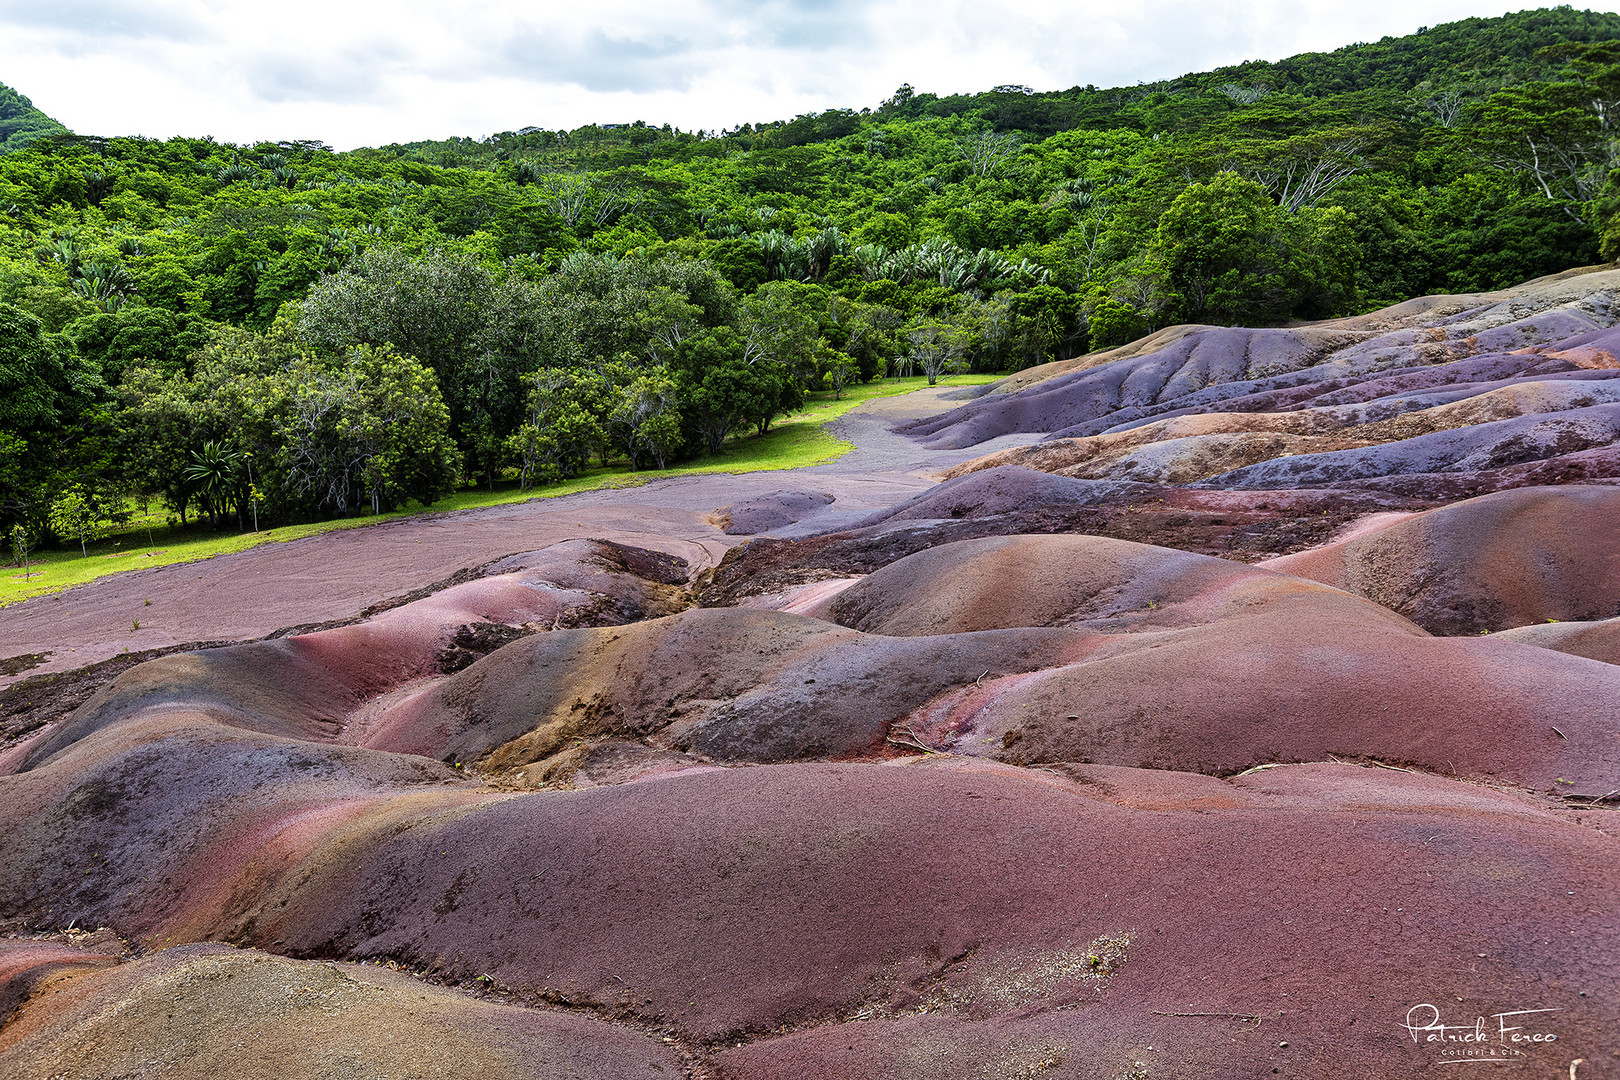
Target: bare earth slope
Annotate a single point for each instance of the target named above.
(1264, 720)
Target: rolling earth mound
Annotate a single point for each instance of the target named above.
(1425, 400)
(1264, 719)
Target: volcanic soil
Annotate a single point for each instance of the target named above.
(1236, 703)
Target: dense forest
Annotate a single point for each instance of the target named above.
(286, 332)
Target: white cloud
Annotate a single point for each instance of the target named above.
(366, 73)
(77, 22)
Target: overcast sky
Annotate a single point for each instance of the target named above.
(366, 74)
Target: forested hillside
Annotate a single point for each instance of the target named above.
(286, 329)
(21, 123)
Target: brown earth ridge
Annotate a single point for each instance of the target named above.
(1236, 703)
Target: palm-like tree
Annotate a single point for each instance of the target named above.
(107, 285)
(214, 469)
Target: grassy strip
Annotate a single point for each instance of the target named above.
(793, 442)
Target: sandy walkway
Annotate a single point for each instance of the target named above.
(336, 575)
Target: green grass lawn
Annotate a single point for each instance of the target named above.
(792, 443)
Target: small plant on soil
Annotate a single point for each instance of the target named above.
(20, 545)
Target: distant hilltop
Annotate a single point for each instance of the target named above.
(1470, 56)
(21, 123)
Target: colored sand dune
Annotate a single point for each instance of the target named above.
(1257, 714)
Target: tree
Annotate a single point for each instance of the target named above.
(898, 101)
(107, 285)
(371, 426)
(836, 370)
(401, 425)
(473, 332)
(1323, 259)
(230, 399)
(936, 346)
(1044, 324)
(720, 390)
(214, 474)
(1224, 257)
(987, 151)
(645, 420)
(1110, 321)
(778, 326)
(160, 425)
(1085, 240)
(78, 513)
(1302, 171)
(42, 383)
(45, 390)
(1445, 105)
(21, 543)
(137, 333)
(865, 332)
(1547, 133)
(598, 308)
(1597, 69)
(1239, 94)
(562, 426)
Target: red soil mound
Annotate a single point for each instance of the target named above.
(307, 686)
(32, 967)
(1507, 559)
(1213, 666)
(729, 684)
(975, 916)
(1091, 581)
(1029, 649)
(958, 909)
(1299, 682)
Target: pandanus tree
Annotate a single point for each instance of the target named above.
(107, 285)
(215, 471)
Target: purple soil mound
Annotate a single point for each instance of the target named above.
(1428, 400)
(1010, 780)
(1469, 449)
(1599, 466)
(876, 914)
(1183, 368)
(164, 827)
(1003, 491)
(1508, 559)
(1381, 394)
(769, 512)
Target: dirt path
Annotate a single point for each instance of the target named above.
(339, 574)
